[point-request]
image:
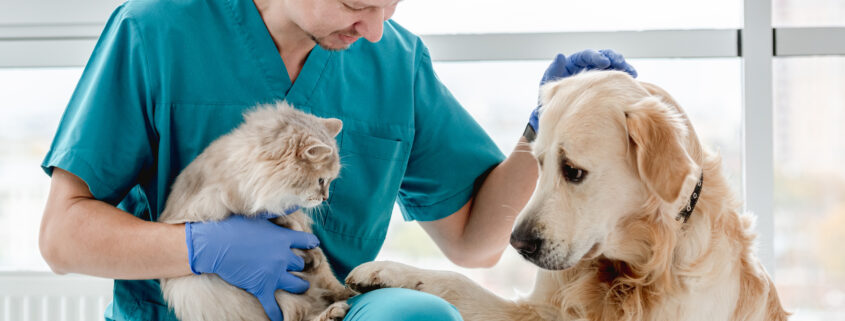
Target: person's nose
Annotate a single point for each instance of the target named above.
(371, 26)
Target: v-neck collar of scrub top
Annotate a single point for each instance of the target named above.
(267, 56)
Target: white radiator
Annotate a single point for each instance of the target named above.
(44, 296)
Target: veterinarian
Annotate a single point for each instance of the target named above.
(168, 77)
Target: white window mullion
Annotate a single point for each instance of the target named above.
(757, 138)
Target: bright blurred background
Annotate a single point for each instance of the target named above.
(809, 112)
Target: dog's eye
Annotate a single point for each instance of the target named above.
(572, 174)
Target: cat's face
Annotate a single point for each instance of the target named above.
(297, 158)
(319, 165)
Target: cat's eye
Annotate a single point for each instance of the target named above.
(321, 181)
(573, 174)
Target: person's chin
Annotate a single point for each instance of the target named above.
(331, 47)
(336, 43)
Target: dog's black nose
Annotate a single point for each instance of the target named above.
(526, 245)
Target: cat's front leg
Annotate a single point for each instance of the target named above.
(313, 258)
(335, 312)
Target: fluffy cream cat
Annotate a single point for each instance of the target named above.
(277, 159)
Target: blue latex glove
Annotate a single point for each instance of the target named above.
(253, 254)
(563, 67)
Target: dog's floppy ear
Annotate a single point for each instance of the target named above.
(656, 132)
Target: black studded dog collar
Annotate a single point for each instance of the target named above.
(687, 210)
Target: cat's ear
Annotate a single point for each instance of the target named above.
(333, 125)
(314, 150)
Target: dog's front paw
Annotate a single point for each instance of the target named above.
(383, 274)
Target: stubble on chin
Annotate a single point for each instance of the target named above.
(322, 42)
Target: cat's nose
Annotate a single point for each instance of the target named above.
(324, 192)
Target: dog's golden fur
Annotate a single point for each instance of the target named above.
(620, 252)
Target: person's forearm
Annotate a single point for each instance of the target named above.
(501, 197)
(91, 237)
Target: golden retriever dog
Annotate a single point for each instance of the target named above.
(631, 219)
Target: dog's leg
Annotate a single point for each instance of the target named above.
(473, 301)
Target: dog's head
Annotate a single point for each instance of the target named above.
(607, 146)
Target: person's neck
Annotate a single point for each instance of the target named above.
(291, 41)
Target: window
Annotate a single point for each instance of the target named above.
(505, 16)
(810, 185)
(808, 13)
(32, 105)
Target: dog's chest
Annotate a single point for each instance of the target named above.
(705, 300)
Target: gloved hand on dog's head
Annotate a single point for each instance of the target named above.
(562, 67)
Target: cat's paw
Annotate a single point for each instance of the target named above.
(376, 275)
(313, 258)
(335, 312)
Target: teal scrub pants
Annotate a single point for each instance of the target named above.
(400, 305)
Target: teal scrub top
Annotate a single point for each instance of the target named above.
(168, 77)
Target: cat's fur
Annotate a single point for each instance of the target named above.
(277, 159)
